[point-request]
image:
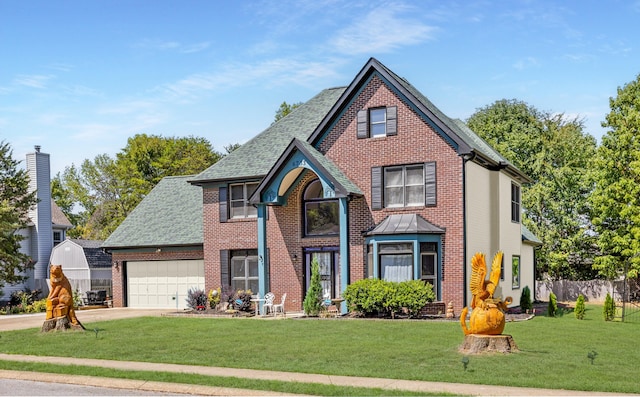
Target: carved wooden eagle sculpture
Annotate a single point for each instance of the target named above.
(482, 289)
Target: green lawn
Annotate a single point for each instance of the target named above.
(553, 351)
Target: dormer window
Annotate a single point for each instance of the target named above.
(377, 122)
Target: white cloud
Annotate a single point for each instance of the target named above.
(162, 45)
(33, 81)
(381, 30)
(526, 63)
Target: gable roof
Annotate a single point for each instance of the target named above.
(455, 132)
(58, 219)
(256, 157)
(341, 185)
(171, 214)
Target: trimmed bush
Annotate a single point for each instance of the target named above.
(580, 309)
(378, 297)
(552, 308)
(609, 308)
(525, 299)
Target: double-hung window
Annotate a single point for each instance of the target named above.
(377, 122)
(404, 186)
(244, 270)
(515, 203)
(401, 186)
(239, 206)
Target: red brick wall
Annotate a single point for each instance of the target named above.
(416, 142)
(121, 258)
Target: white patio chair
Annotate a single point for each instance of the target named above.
(268, 303)
(280, 307)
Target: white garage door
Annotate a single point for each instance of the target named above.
(162, 284)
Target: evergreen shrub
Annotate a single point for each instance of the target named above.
(312, 303)
(609, 308)
(525, 299)
(580, 309)
(552, 308)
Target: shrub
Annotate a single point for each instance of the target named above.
(373, 296)
(580, 309)
(525, 299)
(214, 297)
(313, 299)
(38, 306)
(609, 308)
(196, 299)
(552, 308)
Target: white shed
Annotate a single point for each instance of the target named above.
(87, 267)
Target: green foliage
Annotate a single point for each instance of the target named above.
(556, 153)
(616, 197)
(525, 299)
(609, 308)
(215, 297)
(196, 299)
(552, 307)
(285, 109)
(15, 202)
(313, 299)
(374, 296)
(580, 309)
(107, 190)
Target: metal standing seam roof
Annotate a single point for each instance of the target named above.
(405, 224)
(171, 214)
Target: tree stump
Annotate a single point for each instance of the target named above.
(476, 344)
(59, 324)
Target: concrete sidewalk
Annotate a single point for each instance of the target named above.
(389, 384)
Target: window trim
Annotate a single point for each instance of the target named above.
(515, 271)
(246, 214)
(248, 256)
(363, 120)
(429, 190)
(305, 201)
(516, 202)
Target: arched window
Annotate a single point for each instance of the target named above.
(321, 216)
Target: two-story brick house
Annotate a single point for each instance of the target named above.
(370, 179)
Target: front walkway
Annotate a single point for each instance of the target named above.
(409, 385)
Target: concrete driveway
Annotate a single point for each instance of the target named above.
(23, 321)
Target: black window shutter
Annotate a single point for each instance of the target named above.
(223, 203)
(430, 183)
(363, 124)
(225, 279)
(392, 120)
(376, 188)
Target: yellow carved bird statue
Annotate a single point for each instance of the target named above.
(487, 315)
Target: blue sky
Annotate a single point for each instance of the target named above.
(81, 77)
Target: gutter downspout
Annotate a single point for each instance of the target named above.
(465, 157)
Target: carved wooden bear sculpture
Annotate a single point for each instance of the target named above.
(60, 299)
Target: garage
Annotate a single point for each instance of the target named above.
(163, 284)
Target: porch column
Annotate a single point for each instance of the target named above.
(263, 259)
(344, 249)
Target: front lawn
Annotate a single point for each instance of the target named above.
(553, 351)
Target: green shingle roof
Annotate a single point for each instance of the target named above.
(256, 157)
(171, 214)
(527, 235)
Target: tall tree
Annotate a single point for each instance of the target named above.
(107, 189)
(616, 197)
(15, 203)
(555, 152)
(285, 109)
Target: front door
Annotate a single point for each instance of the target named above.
(328, 259)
